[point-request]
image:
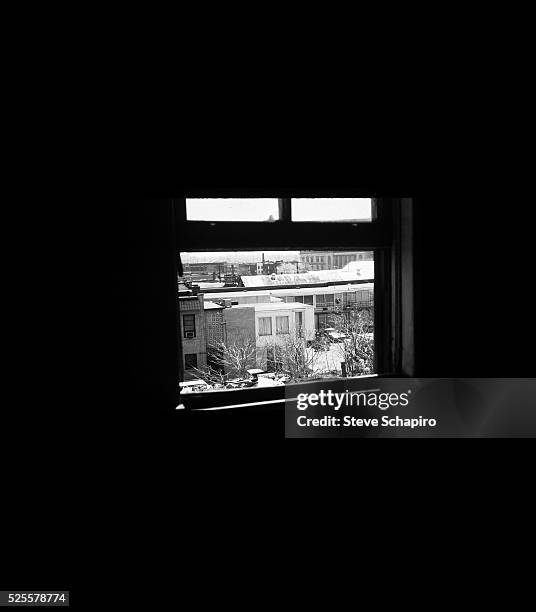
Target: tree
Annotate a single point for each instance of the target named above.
(228, 361)
(357, 346)
(292, 358)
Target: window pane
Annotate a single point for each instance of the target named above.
(265, 326)
(282, 325)
(245, 312)
(350, 210)
(232, 209)
(190, 361)
(189, 326)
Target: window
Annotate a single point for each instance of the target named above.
(363, 296)
(325, 300)
(190, 361)
(189, 326)
(299, 321)
(322, 321)
(265, 326)
(350, 298)
(281, 325)
(234, 241)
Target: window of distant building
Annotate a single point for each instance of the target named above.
(281, 325)
(188, 326)
(265, 326)
(190, 361)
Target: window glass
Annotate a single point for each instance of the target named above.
(265, 326)
(230, 323)
(282, 325)
(189, 326)
(190, 361)
(232, 209)
(352, 210)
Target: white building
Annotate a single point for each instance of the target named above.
(271, 324)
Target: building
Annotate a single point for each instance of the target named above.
(355, 272)
(268, 325)
(328, 291)
(247, 269)
(325, 300)
(332, 260)
(268, 267)
(192, 330)
(215, 323)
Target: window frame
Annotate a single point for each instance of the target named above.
(388, 235)
(184, 330)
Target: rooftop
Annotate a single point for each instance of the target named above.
(273, 306)
(361, 270)
(241, 292)
(212, 306)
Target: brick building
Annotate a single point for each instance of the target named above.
(332, 260)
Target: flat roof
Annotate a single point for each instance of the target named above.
(275, 306)
(362, 270)
(290, 291)
(212, 306)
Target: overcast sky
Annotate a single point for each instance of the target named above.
(257, 209)
(240, 256)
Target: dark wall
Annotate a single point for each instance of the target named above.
(474, 302)
(151, 303)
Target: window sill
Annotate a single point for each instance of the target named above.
(274, 397)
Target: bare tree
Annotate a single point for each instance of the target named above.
(292, 358)
(357, 345)
(228, 360)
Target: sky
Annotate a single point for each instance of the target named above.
(240, 257)
(260, 209)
